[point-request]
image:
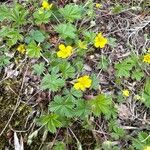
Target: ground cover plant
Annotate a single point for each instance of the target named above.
(75, 75)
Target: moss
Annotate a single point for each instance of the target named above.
(8, 101)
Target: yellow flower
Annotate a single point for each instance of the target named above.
(100, 41)
(126, 93)
(147, 148)
(64, 51)
(146, 58)
(98, 5)
(21, 48)
(83, 83)
(82, 45)
(46, 5)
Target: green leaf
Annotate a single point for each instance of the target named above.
(67, 70)
(89, 36)
(146, 93)
(71, 12)
(59, 146)
(41, 16)
(4, 12)
(52, 82)
(123, 68)
(54, 70)
(35, 35)
(18, 14)
(137, 74)
(72, 94)
(78, 63)
(104, 63)
(4, 61)
(14, 36)
(141, 141)
(50, 121)
(117, 9)
(38, 68)
(33, 50)
(101, 104)
(95, 82)
(82, 108)
(147, 86)
(4, 31)
(62, 106)
(66, 30)
(116, 131)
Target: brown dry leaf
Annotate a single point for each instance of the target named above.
(53, 40)
(123, 112)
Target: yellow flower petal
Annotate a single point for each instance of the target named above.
(21, 48)
(103, 42)
(76, 86)
(82, 88)
(98, 5)
(62, 47)
(126, 93)
(99, 35)
(61, 54)
(88, 83)
(100, 41)
(64, 52)
(69, 48)
(46, 5)
(146, 58)
(147, 148)
(96, 44)
(83, 83)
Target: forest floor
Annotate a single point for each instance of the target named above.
(22, 100)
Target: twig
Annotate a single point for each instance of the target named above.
(13, 71)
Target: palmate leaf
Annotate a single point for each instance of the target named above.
(71, 12)
(62, 106)
(4, 61)
(14, 36)
(67, 70)
(137, 74)
(141, 141)
(4, 12)
(103, 63)
(41, 17)
(66, 30)
(73, 93)
(50, 121)
(52, 82)
(18, 14)
(59, 146)
(33, 50)
(101, 104)
(95, 81)
(82, 108)
(146, 93)
(123, 68)
(38, 68)
(117, 9)
(35, 35)
(89, 36)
